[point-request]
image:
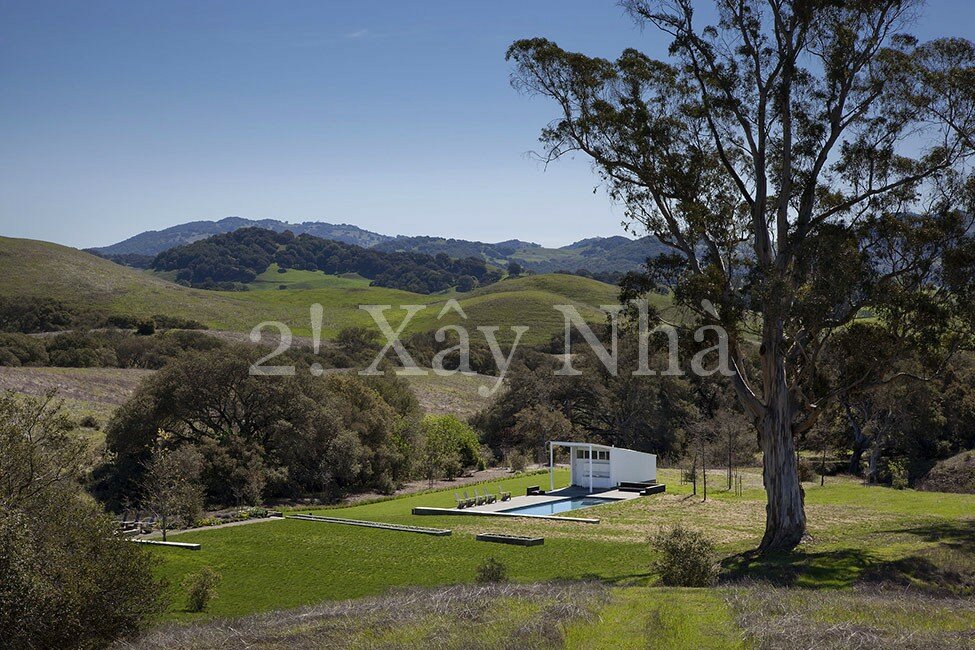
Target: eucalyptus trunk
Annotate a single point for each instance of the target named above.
(785, 522)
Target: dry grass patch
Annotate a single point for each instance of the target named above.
(468, 616)
(111, 386)
(893, 619)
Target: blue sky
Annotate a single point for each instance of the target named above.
(119, 117)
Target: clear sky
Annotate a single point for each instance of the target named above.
(396, 116)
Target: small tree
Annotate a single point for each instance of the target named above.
(171, 488)
(732, 432)
(515, 269)
(449, 445)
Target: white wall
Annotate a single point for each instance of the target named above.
(629, 465)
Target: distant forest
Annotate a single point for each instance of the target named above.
(231, 260)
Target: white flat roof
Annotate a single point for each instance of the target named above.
(595, 446)
(580, 444)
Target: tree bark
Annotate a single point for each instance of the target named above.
(856, 460)
(860, 442)
(785, 522)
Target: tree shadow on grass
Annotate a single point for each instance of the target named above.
(825, 569)
(946, 567)
(628, 580)
(958, 535)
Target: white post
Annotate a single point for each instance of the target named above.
(551, 467)
(590, 469)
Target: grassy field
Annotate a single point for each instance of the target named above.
(84, 392)
(860, 536)
(34, 268)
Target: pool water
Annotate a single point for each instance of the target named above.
(562, 505)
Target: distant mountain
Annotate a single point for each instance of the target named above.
(598, 255)
(603, 257)
(153, 242)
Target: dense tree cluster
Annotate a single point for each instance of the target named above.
(31, 314)
(237, 258)
(101, 349)
(638, 412)
(264, 436)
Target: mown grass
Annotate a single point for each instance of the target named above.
(291, 563)
(860, 535)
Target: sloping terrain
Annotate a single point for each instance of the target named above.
(30, 268)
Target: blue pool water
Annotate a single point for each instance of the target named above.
(562, 505)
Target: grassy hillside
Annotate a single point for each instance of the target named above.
(33, 268)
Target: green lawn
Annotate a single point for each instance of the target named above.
(857, 531)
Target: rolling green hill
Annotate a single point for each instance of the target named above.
(30, 268)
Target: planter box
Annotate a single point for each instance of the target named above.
(517, 540)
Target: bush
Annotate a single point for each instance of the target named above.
(89, 422)
(492, 570)
(518, 461)
(146, 327)
(806, 471)
(898, 474)
(201, 588)
(687, 558)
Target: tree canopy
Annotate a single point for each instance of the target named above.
(240, 256)
(805, 161)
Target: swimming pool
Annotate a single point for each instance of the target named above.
(562, 505)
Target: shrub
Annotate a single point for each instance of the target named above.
(201, 588)
(518, 461)
(806, 471)
(898, 474)
(89, 422)
(146, 327)
(492, 570)
(687, 558)
(165, 321)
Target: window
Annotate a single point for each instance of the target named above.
(579, 453)
(602, 455)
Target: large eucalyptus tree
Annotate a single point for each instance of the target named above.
(806, 162)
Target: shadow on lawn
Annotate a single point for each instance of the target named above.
(945, 567)
(825, 569)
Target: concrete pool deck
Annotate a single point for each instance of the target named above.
(499, 508)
